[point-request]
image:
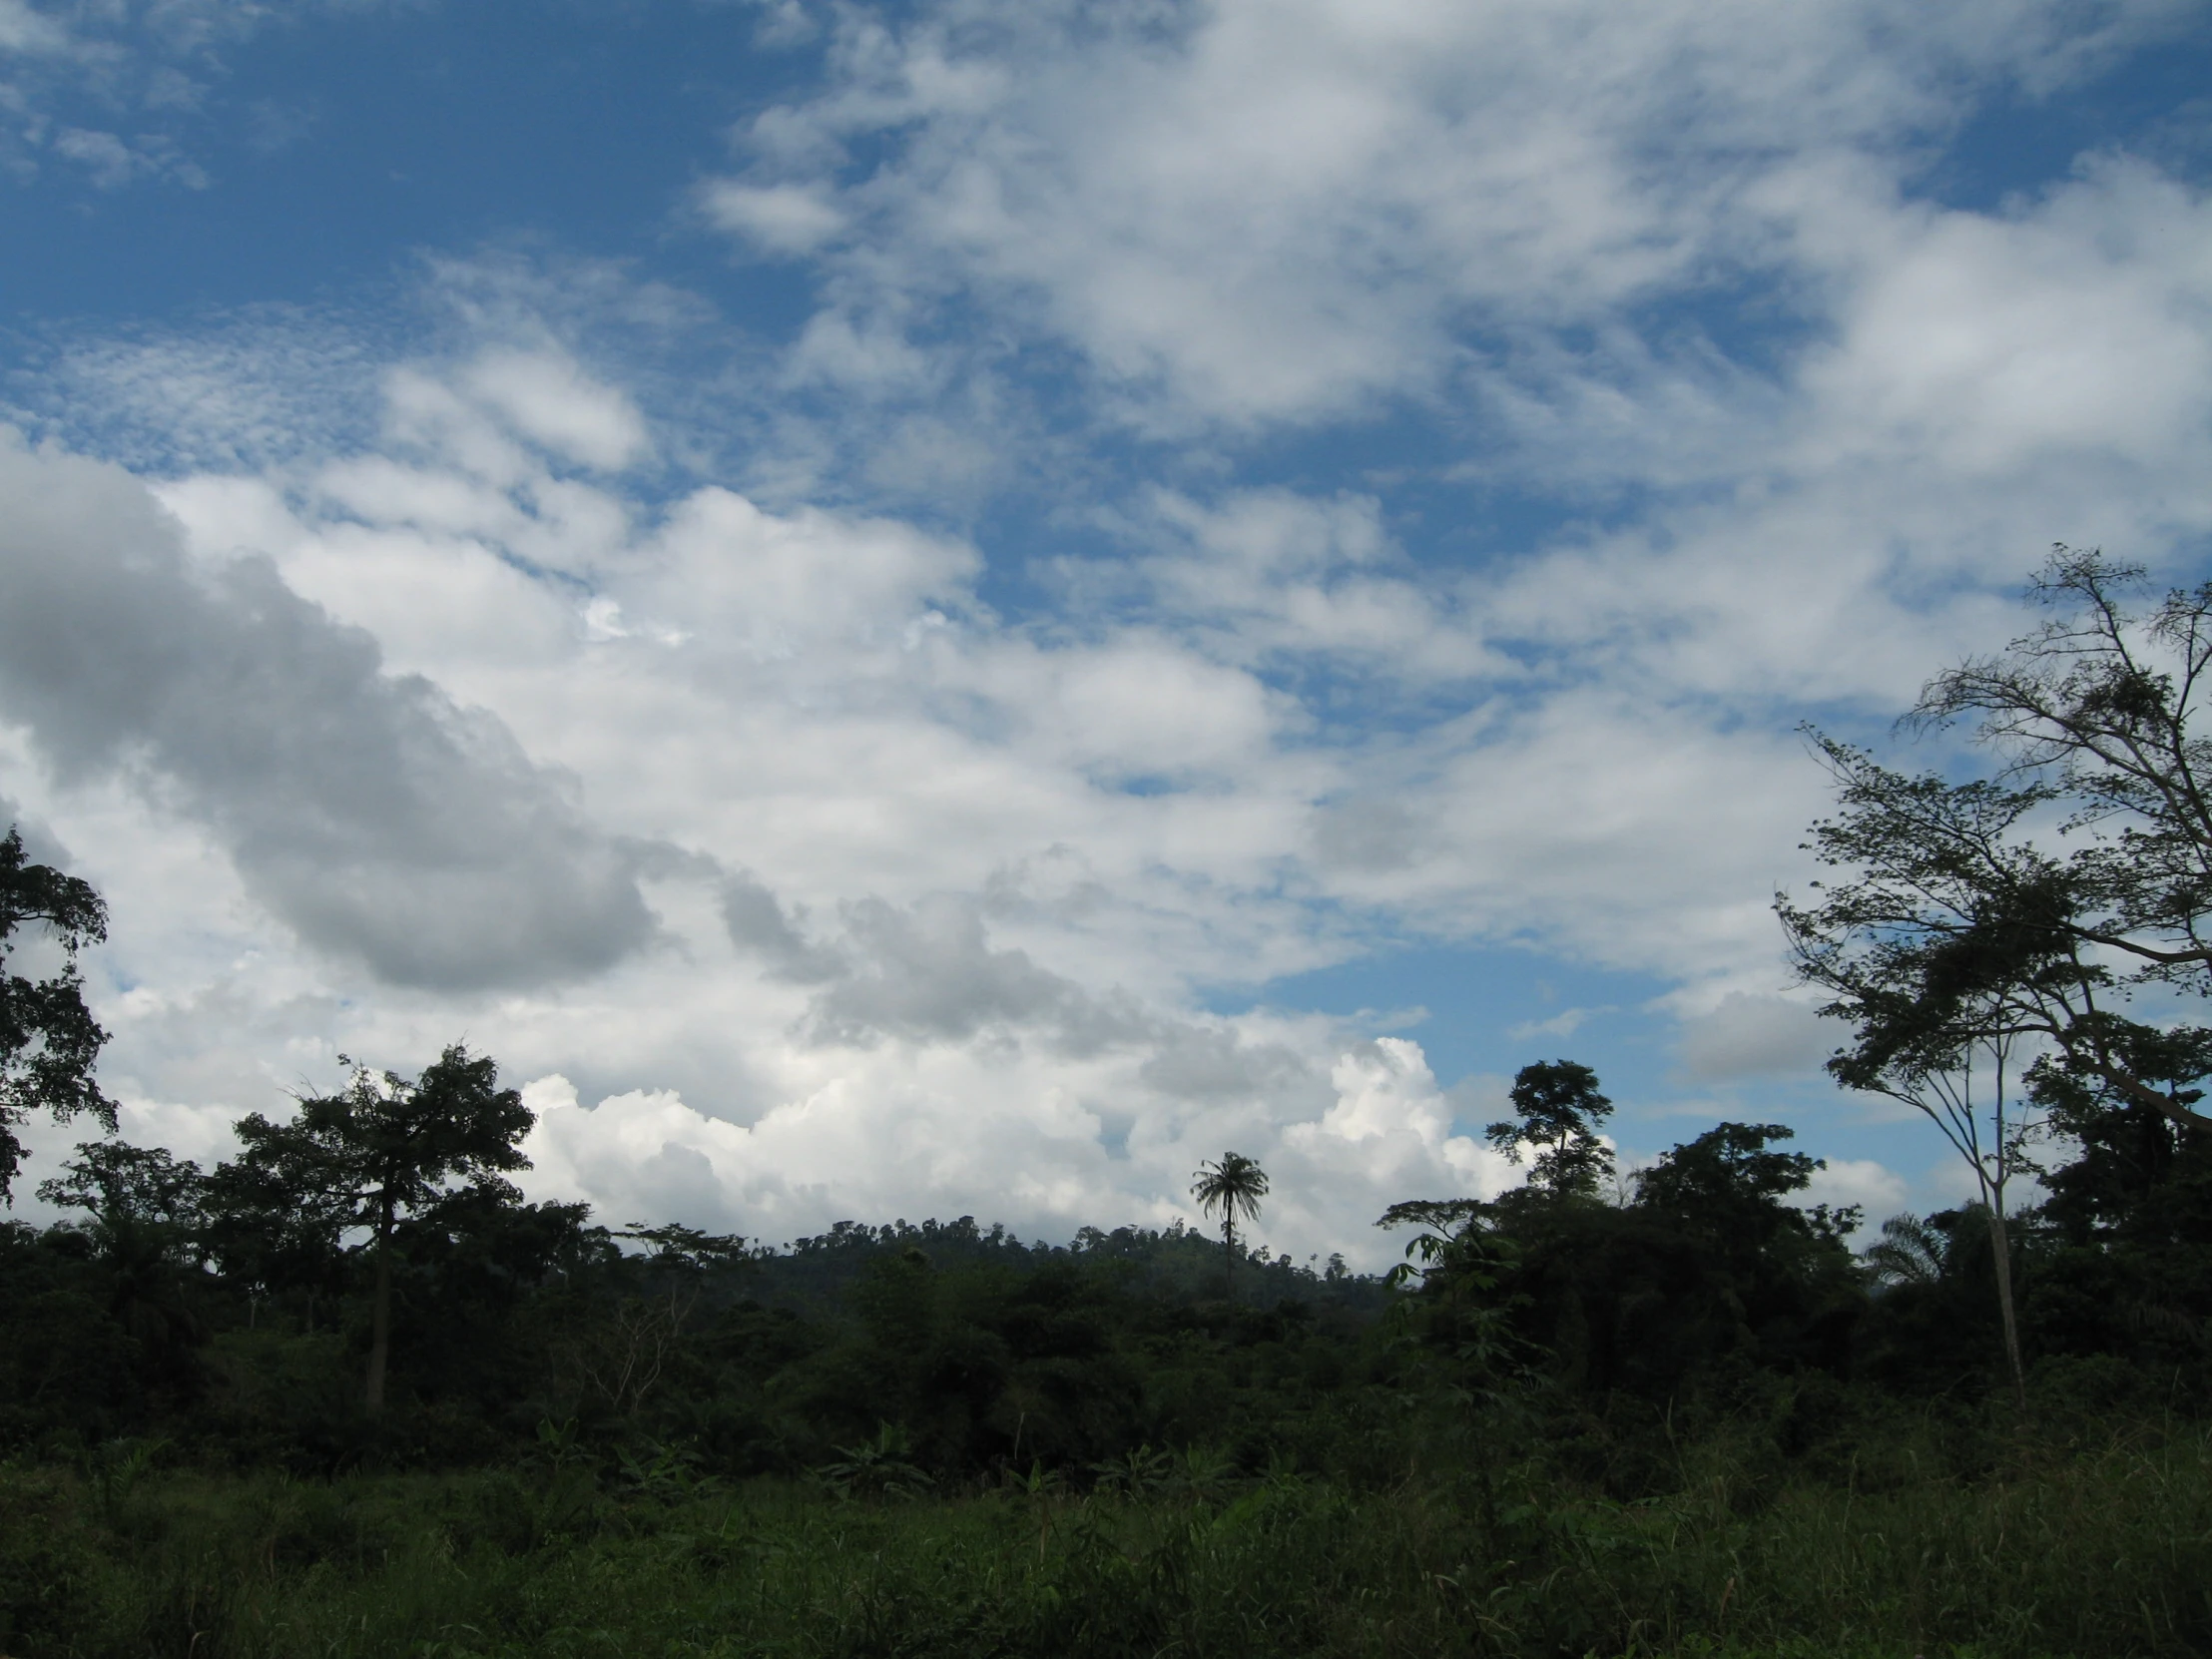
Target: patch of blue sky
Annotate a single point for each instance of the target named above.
(335, 142)
(1479, 1010)
(2011, 143)
(1412, 459)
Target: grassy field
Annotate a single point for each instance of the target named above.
(2101, 1551)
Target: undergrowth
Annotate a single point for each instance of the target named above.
(2102, 1549)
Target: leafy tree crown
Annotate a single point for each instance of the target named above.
(1559, 1109)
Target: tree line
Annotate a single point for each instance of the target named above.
(2017, 957)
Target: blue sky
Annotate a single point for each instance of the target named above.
(951, 608)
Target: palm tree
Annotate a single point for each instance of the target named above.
(1235, 1183)
(1911, 1252)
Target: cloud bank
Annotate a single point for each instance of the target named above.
(378, 817)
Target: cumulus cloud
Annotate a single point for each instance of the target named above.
(757, 922)
(2071, 323)
(1877, 1191)
(376, 816)
(959, 1137)
(778, 588)
(928, 971)
(40, 845)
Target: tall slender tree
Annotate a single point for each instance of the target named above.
(2096, 712)
(1235, 1183)
(1986, 936)
(1947, 951)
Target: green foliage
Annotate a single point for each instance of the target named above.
(876, 1468)
(380, 1151)
(1560, 1111)
(49, 1040)
(118, 1183)
(2012, 1552)
(142, 1225)
(1682, 1424)
(1706, 1273)
(58, 1591)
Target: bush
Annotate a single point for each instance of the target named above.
(55, 1586)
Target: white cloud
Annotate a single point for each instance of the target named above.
(151, 63)
(779, 589)
(380, 818)
(988, 1136)
(25, 29)
(780, 219)
(1880, 1192)
(110, 162)
(1249, 214)
(547, 399)
(1985, 343)
(964, 947)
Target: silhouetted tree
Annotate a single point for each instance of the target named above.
(120, 1185)
(1235, 1183)
(1966, 933)
(1911, 1250)
(2127, 1217)
(1728, 1185)
(381, 1149)
(2092, 713)
(49, 1040)
(1560, 1110)
(142, 1222)
(1946, 949)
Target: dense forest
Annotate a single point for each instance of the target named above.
(347, 1391)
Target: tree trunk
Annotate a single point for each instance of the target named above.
(380, 1324)
(1228, 1259)
(2001, 1255)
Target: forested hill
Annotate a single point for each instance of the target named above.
(237, 1311)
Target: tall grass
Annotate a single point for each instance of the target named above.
(2105, 1551)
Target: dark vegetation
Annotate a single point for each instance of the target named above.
(349, 1393)
(1573, 1424)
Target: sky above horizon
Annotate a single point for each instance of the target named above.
(952, 608)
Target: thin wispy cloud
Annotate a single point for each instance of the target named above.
(1565, 1023)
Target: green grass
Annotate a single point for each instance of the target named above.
(2104, 1552)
